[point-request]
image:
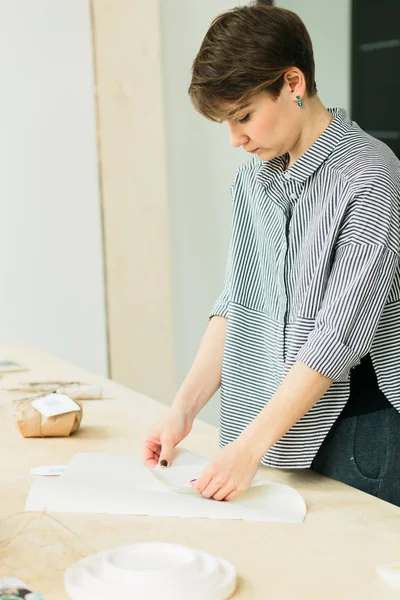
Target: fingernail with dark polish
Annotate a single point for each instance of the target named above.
(164, 463)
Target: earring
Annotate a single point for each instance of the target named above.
(299, 103)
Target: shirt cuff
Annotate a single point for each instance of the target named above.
(327, 355)
(220, 309)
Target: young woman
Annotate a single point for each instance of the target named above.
(305, 338)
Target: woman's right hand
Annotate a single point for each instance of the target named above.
(158, 445)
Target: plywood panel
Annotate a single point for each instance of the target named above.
(132, 163)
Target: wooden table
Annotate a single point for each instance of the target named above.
(331, 556)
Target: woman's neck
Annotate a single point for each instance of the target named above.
(317, 119)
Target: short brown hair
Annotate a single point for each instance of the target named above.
(246, 50)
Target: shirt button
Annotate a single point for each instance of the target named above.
(286, 175)
(293, 196)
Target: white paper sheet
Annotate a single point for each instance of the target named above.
(48, 470)
(390, 574)
(103, 483)
(55, 404)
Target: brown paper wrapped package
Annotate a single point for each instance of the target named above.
(31, 423)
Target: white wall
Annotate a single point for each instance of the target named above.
(200, 168)
(328, 24)
(51, 266)
(201, 163)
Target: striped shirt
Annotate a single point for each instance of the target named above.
(313, 275)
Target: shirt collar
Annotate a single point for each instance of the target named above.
(313, 158)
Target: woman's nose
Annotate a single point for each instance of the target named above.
(238, 138)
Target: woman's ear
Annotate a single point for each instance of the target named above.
(296, 82)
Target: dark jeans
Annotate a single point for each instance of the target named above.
(364, 452)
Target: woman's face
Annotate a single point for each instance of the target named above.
(268, 127)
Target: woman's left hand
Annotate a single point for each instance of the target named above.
(230, 474)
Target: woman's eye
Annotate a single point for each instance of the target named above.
(245, 119)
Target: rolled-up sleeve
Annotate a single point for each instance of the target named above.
(360, 281)
(221, 306)
(357, 291)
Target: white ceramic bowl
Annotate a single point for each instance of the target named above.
(143, 562)
(150, 571)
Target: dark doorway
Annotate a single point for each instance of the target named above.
(376, 69)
